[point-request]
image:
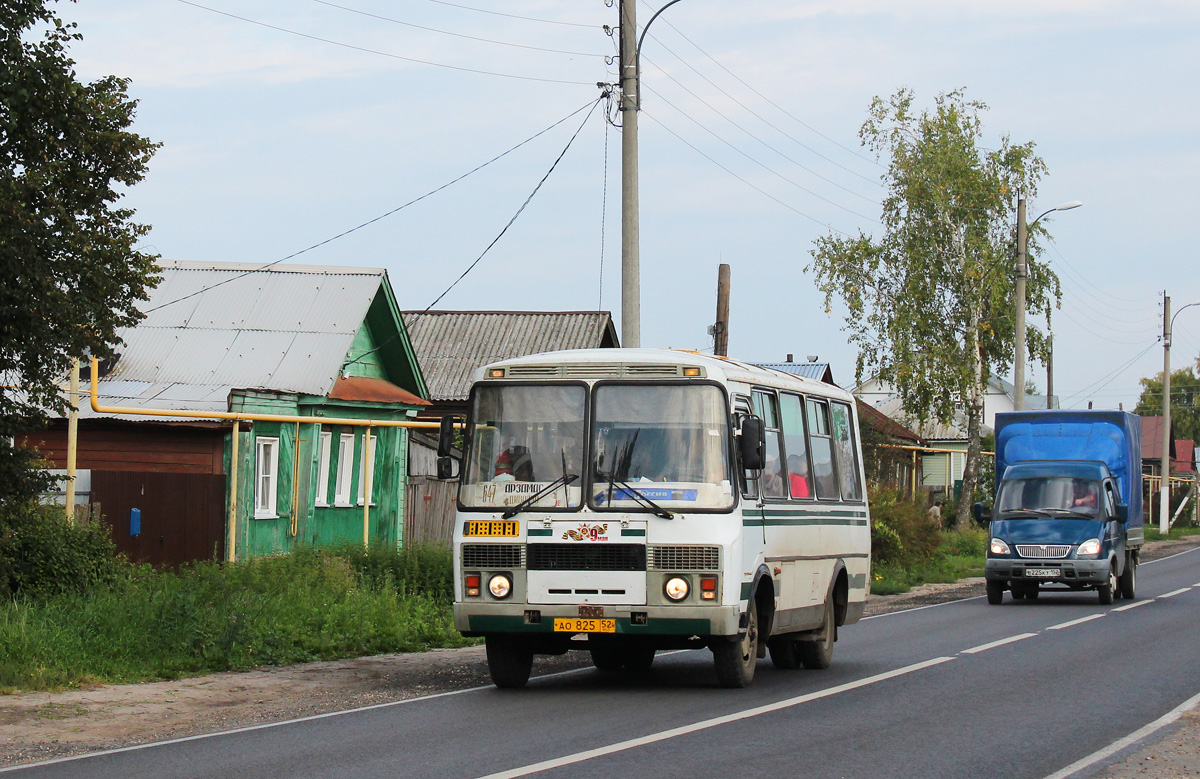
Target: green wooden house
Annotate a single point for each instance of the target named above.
(316, 342)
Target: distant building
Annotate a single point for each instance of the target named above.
(289, 339)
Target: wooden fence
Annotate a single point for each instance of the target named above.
(429, 511)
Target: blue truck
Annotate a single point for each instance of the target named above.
(1068, 508)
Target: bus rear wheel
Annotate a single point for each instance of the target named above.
(735, 660)
(817, 654)
(509, 660)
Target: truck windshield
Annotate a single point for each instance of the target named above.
(523, 439)
(667, 443)
(1050, 495)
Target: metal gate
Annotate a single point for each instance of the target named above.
(180, 517)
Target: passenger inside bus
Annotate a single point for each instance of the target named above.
(798, 476)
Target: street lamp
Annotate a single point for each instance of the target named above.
(1164, 499)
(1022, 248)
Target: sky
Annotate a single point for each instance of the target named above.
(286, 124)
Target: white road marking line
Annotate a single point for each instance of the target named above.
(1133, 605)
(1168, 557)
(652, 738)
(1174, 593)
(1120, 744)
(920, 608)
(994, 644)
(1075, 622)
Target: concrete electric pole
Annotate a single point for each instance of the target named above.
(631, 292)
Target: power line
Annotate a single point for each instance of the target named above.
(512, 16)
(755, 187)
(369, 222)
(380, 53)
(454, 34)
(1109, 378)
(498, 235)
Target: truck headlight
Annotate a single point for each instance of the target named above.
(676, 588)
(998, 547)
(1089, 548)
(499, 586)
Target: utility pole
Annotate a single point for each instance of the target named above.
(1164, 507)
(1050, 370)
(72, 440)
(631, 293)
(1019, 361)
(720, 329)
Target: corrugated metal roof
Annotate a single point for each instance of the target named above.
(216, 326)
(150, 395)
(809, 370)
(452, 344)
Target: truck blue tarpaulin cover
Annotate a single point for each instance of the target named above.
(1111, 437)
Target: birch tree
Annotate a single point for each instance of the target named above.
(930, 297)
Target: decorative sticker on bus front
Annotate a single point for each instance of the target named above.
(653, 493)
(587, 532)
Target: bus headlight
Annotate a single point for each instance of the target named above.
(677, 588)
(998, 547)
(1089, 548)
(499, 586)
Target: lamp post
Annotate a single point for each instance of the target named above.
(631, 103)
(1164, 498)
(1022, 270)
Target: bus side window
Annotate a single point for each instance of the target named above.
(821, 447)
(772, 482)
(748, 480)
(791, 409)
(843, 448)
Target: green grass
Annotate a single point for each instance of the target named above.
(959, 555)
(309, 605)
(1152, 533)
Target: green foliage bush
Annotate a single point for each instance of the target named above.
(901, 532)
(41, 553)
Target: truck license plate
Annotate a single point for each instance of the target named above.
(585, 625)
(1044, 572)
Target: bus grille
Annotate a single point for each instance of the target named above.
(1043, 551)
(593, 557)
(492, 556)
(684, 558)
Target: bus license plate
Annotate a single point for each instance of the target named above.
(585, 626)
(491, 528)
(1045, 572)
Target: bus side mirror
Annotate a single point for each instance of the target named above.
(753, 442)
(445, 468)
(446, 436)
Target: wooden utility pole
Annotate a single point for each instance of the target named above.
(721, 326)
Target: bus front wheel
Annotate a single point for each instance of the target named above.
(735, 660)
(509, 660)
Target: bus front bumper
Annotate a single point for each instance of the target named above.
(481, 619)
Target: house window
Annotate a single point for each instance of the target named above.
(266, 477)
(345, 470)
(323, 453)
(369, 448)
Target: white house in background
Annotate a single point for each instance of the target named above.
(941, 470)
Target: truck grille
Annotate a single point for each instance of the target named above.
(593, 557)
(492, 556)
(683, 558)
(1044, 551)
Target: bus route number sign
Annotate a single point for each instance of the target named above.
(491, 528)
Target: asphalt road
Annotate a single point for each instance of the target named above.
(957, 690)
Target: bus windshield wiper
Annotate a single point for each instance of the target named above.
(561, 481)
(638, 497)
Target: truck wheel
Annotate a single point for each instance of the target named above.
(606, 656)
(1018, 593)
(995, 593)
(1107, 590)
(785, 654)
(1129, 579)
(735, 660)
(509, 660)
(1032, 592)
(818, 654)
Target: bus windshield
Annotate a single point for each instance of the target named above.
(523, 439)
(669, 443)
(1049, 496)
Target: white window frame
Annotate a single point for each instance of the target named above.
(369, 448)
(323, 452)
(266, 477)
(345, 470)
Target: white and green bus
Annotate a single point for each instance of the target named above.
(625, 501)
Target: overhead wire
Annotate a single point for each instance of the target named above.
(365, 50)
(1108, 378)
(369, 222)
(512, 16)
(453, 34)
